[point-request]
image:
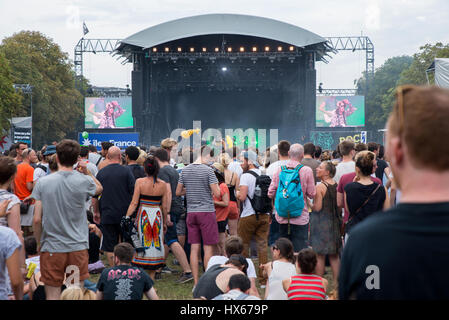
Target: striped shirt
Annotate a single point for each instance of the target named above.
(306, 287)
(197, 179)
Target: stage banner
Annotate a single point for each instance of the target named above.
(340, 111)
(121, 140)
(108, 113)
(22, 134)
(329, 140)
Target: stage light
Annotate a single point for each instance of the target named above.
(217, 49)
(229, 49)
(167, 49)
(154, 49)
(254, 49)
(279, 48)
(267, 48)
(291, 48)
(242, 49)
(179, 49)
(204, 49)
(192, 49)
(224, 69)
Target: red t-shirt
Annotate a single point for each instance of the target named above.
(222, 212)
(24, 174)
(344, 180)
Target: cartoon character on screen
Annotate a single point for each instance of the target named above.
(337, 117)
(106, 118)
(151, 234)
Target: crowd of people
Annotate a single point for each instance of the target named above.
(360, 209)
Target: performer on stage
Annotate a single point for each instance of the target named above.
(106, 119)
(337, 117)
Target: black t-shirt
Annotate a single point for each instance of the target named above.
(381, 165)
(94, 247)
(207, 286)
(137, 171)
(408, 246)
(356, 195)
(118, 188)
(124, 282)
(171, 175)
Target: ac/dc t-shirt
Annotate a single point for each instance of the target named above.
(124, 282)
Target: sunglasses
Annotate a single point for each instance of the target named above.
(400, 92)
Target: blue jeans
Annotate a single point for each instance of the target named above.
(299, 235)
(274, 231)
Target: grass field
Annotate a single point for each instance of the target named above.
(168, 289)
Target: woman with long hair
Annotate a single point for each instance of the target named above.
(282, 267)
(221, 207)
(232, 181)
(325, 221)
(151, 196)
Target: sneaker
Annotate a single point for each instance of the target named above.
(166, 269)
(185, 277)
(158, 276)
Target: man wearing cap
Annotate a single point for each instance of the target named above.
(43, 169)
(299, 226)
(251, 224)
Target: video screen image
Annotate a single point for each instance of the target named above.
(340, 111)
(108, 113)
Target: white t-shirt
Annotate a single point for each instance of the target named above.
(344, 168)
(272, 168)
(39, 172)
(214, 260)
(235, 166)
(248, 180)
(281, 270)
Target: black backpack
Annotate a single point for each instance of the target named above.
(260, 202)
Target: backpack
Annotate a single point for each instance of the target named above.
(260, 202)
(44, 168)
(289, 201)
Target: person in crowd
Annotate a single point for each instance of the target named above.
(20, 147)
(360, 147)
(33, 264)
(363, 197)
(199, 184)
(8, 171)
(124, 281)
(42, 169)
(84, 156)
(214, 282)
(234, 245)
(10, 260)
(326, 155)
(382, 169)
(221, 204)
(59, 222)
(131, 155)
(318, 152)
(77, 293)
(170, 176)
(296, 229)
(308, 160)
(306, 285)
(407, 244)
(170, 145)
(23, 185)
(142, 157)
(238, 289)
(282, 149)
(235, 165)
(252, 224)
(95, 236)
(282, 267)
(52, 163)
(325, 221)
(94, 157)
(151, 197)
(105, 145)
(232, 181)
(347, 164)
(118, 188)
(336, 155)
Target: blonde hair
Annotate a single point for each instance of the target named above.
(76, 293)
(224, 159)
(142, 157)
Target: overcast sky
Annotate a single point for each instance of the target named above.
(396, 27)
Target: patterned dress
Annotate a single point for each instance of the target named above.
(149, 225)
(325, 225)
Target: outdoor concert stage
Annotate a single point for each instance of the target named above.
(227, 71)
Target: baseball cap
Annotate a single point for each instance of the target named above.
(251, 156)
(51, 149)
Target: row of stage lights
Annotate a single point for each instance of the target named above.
(229, 49)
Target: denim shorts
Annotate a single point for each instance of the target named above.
(299, 235)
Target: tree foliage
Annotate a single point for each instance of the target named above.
(57, 106)
(10, 101)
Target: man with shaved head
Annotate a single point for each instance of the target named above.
(118, 188)
(299, 226)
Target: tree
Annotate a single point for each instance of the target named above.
(385, 80)
(57, 105)
(9, 99)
